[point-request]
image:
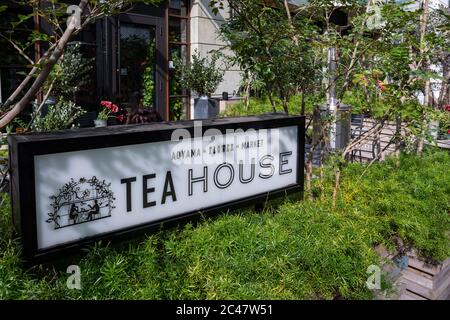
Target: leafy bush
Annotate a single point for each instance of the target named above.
(60, 116)
(148, 76)
(147, 115)
(201, 75)
(411, 202)
(262, 105)
(71, 73)
(298, 250)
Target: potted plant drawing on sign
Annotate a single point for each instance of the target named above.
(203, 77)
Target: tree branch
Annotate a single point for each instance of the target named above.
(27, 79)
(22, 53)
(43, 75)
(40, 106)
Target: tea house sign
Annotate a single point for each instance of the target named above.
(72, 188)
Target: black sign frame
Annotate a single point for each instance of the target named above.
(23, 148)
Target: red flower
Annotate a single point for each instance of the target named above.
(114, 108)
(106, 104)
(120, 118)
(447, 107)
(381, 85)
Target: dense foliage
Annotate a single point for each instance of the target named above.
(70, 74)
(391, 60)
(53, 39)
(59, 116)
(202, 75)
(263, 105)
(291, 251)
(277, 53)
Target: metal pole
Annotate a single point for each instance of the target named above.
(332, 102)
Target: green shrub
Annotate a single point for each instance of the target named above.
(262, 105)
(59, 117)
(297, 250)
(201, 75)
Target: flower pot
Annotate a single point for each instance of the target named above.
(51, 101)
(433, 129)
(100, 123)
(205, 108)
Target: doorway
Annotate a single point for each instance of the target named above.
(141, 62)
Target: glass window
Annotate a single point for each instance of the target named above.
(179, 102)
(179, 51)
(137, 65)
(178, 7)
(177, 30)
(14, 67)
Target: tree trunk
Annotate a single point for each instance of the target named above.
(289, 16)
(25, 81)
(427, 90)
(303, 102)
(398, 140)
(315, 141)
(247, 95)
(337, 176)
(19, 89)
(43, 75)
(285, 105)
(272, 102)
(308, 178)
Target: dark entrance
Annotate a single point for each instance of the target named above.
(140, 62)
(132, 59)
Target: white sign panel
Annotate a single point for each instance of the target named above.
(87, 193)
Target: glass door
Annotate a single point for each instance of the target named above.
(140, 80)
(137, 65)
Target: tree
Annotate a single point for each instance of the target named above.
(385, 55)
(396, 67)
(271, 46)
(201, 75)
(54, 14)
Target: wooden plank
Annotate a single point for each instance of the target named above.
(408, 295)
(442, 292)
(441, 277)
(422, 278)
(417, 283)
(417, 289)
(418, 264)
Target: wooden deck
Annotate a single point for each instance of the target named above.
(420, 280)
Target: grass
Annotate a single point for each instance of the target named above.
(262, 105)
(294, 250)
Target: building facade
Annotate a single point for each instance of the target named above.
(132, 54)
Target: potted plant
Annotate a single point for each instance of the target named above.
(203, 77)
(107, 109)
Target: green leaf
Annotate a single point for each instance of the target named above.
(39, 36)
(22, 73)
(22, 18)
